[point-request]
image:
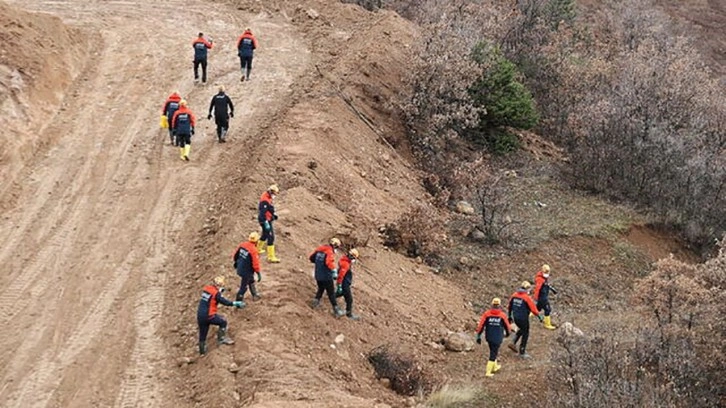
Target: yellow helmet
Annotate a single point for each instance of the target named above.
(183, 102)
(335, 242)
(274, 189)
(221, 88)
(496, 302)
(526, 285)
(354, 253)
(254, 237)
(546, 268)
(219, 280)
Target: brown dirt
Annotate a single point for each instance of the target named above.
(109, 236)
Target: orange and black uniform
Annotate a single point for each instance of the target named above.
(183, 123)
(170, 106)
(246, 46)
(345, 280)
(200, 45)
(207, 311)
(542, 291)
(247, 263)
(266, 216)
(520, 306)
(495, 326)
(325, 273)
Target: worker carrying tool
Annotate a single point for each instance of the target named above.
(207, 313)
(266, 217)
(520, 306)
(542, 289)
(494, 325)
(247, 264)
(345, 281)
(167, 113)
(326, 273)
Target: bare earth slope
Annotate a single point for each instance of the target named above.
(90, 227)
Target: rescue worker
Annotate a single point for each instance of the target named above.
(247, 264)
(207, 313)
(542, 291)
(520, 306)
(167, 112)
(201, 45)
(246, 46)
(494, 325)
(326, 273)
(345, 281)
(183, 123)
(266, 217)
(220, 104)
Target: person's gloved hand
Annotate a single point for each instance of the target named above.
(192, 131)
(209, 117)
(231, 114)
(266, 226)
(510, 320)
(541, 319)
(478, 338)
(234, 265)
(335, 274)
(506, 334)
(259, 276)
(338, 289)
(238, 304)
(274, 217)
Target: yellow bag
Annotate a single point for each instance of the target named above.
(164, 122)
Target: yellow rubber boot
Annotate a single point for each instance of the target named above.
(490, 369)
(261, 247)
(181, 153)
(497, 367)
(271, 254)
(187, 149)
(548, 323)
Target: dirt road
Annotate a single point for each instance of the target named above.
(95, 221)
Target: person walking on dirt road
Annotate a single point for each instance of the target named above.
(542, 289)
(167, 113)
(494, 325)
(246, 46)
(201, 45)
(247, 264)
(207, 313)
(183, 123)
(326, 273)
(345, 281)
(223, 110)
(266, 217)
(520, 306)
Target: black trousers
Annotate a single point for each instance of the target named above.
(544, 305)
(246, 65)
(247, 281)
(204, 324)
(222, 123)
(203, 63)
(493, 350)
(327, 286)
(348, 296)
(522, 333)
(268, 236)
(183, 140)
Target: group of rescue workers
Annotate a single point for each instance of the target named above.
(332, 278)
(495, 325)
(176, 114)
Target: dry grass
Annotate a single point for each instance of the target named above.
(452, 396)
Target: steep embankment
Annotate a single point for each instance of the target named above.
(40, 56)
(338, 177)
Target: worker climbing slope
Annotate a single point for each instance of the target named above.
(223, 109)
(266, 217)
(167, 113)
(201, 45)
(520, 306)
(183, 123)
(326, 273)
(247, 264)
(345, 281)
(207, 313)
(246, 46)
